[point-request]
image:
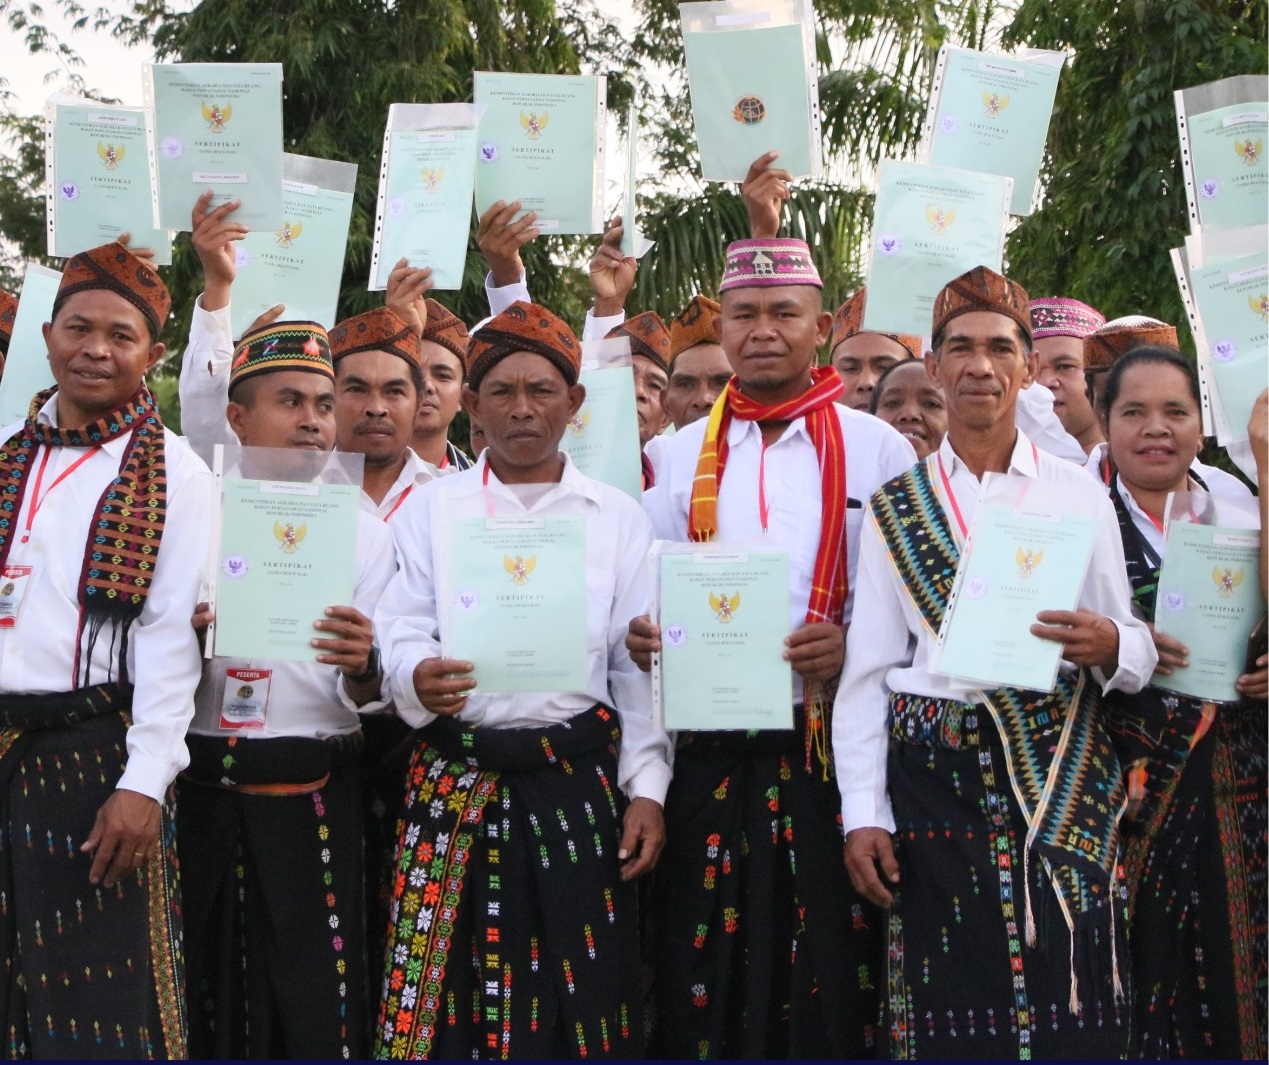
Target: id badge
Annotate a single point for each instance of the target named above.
(14, 583)
(246, 699)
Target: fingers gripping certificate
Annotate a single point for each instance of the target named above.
(514, 601)
(724, 617)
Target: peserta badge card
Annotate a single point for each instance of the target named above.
(215, 126)
(1224, 131)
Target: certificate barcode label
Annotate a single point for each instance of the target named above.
(202, 177)
(301, 187)
(289, 488)
(115, 120)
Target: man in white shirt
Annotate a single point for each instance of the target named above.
(514, 895)
(101, 551)
(1003, 804)
(269, 813)
(778, 462)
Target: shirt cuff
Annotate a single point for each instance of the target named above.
(149, 777)
(598, 327)
(500, 298)
(1135, 670)
(212, 331)
(650, 781)
(348, 703)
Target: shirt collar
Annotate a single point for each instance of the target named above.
(742, 427)
(1021, 461)
(572, 482)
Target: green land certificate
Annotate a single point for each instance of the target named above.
(603, 437)
(1209, 599)
(1017, 563)
(541, 141)
(26, 368)
(1223, 128)
(97, 178)
(514, 603)
(426, 185)
(287, 552)
(215, 126)
(300, 264)
(752, 78)
(930, 225)
(724, 618)
(990, 113)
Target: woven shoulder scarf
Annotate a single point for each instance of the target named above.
(124, 536)
(828, 582)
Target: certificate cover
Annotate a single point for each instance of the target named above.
(215, 126)
(300, 264)
(1209, 598)
(1223, 127)
(930, 225)
(97, 178)
(541, 141)
(426, 184)
(1025, 554)
(514, 602)
(991, 114)
(287, 552)
(752, 76)
(603, 437)
(724, 617)
(26, 368)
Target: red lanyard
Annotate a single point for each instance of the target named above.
(397, 505)
(484, 487)
(951, 496)
(764, 511)
(38, 499)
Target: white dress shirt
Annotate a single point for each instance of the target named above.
(37, 656)
(204, 392)
(617, 543)
(500, 298)
(789, 472)
(1225, 487)
(893, 651)
(307, 698)
(1035, 416)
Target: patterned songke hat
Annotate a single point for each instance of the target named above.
(648, 337)
(446, 329)
(1120, 336)
(982, 289)
(767, 262)
(282, 346)
(117, 270)
(849, 322)
(1059, 316)
(524, 327)
(693, 325)
(381, 329)
(8, 312)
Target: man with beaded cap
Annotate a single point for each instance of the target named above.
(513, 924)
(101, 551)
(762, 947)
(1058, 328)
(997, 866)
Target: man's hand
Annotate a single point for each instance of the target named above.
(643, 640)
(612, 275)
(642, 837)
(203, 617)
(124, 837)
(1088, 639)
(214, 236)
(765, 190)
(1255, 685)
(408, 287)
(438, 687)
(145, 254)
(266, 318)
(348, 646)
(1173, 654)
(816, 650)
(870, 852)
(500, 240)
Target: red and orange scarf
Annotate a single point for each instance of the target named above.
(829, 582)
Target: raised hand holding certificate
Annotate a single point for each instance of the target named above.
(541, 141)
(513, 602)
(300, 264)
(991, 114)
(288, 537)
(603, 436)
(215, 126)
(930, 225)
(1026, 552)
(1224, 130)
(97, 178)
(752, 77)
(1209, 592)
(26, 368)
(724, 616)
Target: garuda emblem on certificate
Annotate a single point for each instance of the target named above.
(519, 568)
(1250, 151)
(432, 177)
(1028, 560)
(749, 110)
(1226, 580)
(289, 537)
(289, 233)
(940, 220)
(111, 155)
(1260, 305)
(724, 607)
(217, 117)
(994, 104)
(533, 124)
(578, 423)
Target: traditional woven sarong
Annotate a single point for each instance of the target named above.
(90, 972)
(763, 949)
(512, 935)
(271, 853)
(1006, 825)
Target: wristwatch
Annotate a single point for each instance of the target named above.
(373, 668)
